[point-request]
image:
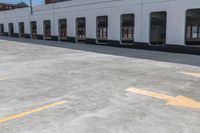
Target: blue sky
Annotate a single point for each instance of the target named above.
(35, 2)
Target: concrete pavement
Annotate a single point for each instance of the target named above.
(92, 80)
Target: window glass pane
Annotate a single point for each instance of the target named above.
(2, 29)
(47, 29)
(127, 28)
(102, 29)
(34, 29)
(189, 31)
(11, 29)
(21, 29)
(192, 27)
(63, 29)
(158, 28)
(81, 29)
(194, 31)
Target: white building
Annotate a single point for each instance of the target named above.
(146, 23)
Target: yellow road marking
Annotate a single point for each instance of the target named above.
(2, 78)
(197, 75)
(173, 101)
(23, 114)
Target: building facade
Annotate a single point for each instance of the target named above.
(150, 24)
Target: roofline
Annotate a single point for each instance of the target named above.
(8, 4)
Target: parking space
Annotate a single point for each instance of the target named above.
(60, 87)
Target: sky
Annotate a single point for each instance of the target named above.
(35, 2)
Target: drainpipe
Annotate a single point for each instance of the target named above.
(31, 6)
(142, 4)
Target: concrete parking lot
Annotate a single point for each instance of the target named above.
(60, 87)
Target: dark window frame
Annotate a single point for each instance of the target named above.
(62, 36)
(21, 34)
(83, 31)
(131, 24)
(11, 25)
(164, 37)
(195, 23)
(101, 24)
(47, 30)
(2, 29)
(31, 29)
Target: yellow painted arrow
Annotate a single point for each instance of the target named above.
(197, 75)
(173, 101)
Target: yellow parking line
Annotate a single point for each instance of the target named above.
(23, 114)
(194, 74)
(2, 78)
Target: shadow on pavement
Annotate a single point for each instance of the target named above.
(187, 59)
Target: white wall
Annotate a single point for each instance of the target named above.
(90, 9)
